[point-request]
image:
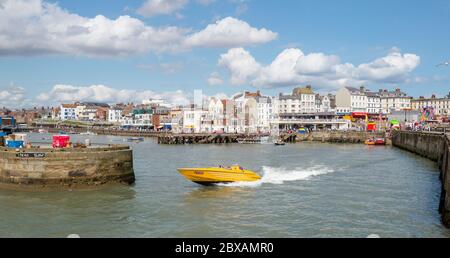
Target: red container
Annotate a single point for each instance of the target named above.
(60, 141)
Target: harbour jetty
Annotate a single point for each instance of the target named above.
(41, 167)
(319, 136)
(201, 138)
(434, 146)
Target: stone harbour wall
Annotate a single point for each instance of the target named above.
(434, 146)
(336, 137)
(65, 168)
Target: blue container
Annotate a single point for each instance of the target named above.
(2, 134)
(14, 144)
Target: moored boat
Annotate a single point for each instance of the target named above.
(217, 175)
(378, 141)
(280, 143)
(135, 139)
(369, 142)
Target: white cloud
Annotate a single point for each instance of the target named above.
(215, 79)
(293, 67)
(43, 28)
(102, 93)
(12, 96)
(242, 66)
(161, 7)
(230, 32)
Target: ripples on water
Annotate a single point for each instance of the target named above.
(307, 190)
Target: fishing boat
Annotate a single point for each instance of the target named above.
(218, 175)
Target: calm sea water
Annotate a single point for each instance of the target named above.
(308, 190)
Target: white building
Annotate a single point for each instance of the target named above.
(193, 120)
(302, 100)
(394, 101)
(349, 99)
(323, 104)
(88, 113)
(216, 115)
(441, 106)
(143, 120)
(246, 112)
(115, 114)
(68, 112)
(265, 112)
(373, 103)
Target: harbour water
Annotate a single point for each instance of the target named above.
(307, 190)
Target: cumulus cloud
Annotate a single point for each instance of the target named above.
(40, 27)
(215, 79)
(105, 94)
(230, 32)
(161, 7)
(241, 65)
(292, 67)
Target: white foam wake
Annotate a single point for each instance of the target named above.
(281, 175)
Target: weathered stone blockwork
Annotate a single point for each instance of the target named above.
(435, 146)
(42, 168)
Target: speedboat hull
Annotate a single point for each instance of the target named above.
(212, 176)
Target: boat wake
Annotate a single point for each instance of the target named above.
(279, 176)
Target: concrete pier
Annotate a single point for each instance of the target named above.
(434, 146)
(40, 168)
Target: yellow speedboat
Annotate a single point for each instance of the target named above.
(210, 176)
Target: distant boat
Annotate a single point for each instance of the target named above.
(88, 133)
(280, 143)
(135, 139)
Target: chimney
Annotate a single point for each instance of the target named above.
(362, 89)
(308, 87)
(258, 93)
(397, 90)
(433, 96)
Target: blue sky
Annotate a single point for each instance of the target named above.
(381, 44)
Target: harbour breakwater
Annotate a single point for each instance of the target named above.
(41, 168)
(436, 147)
